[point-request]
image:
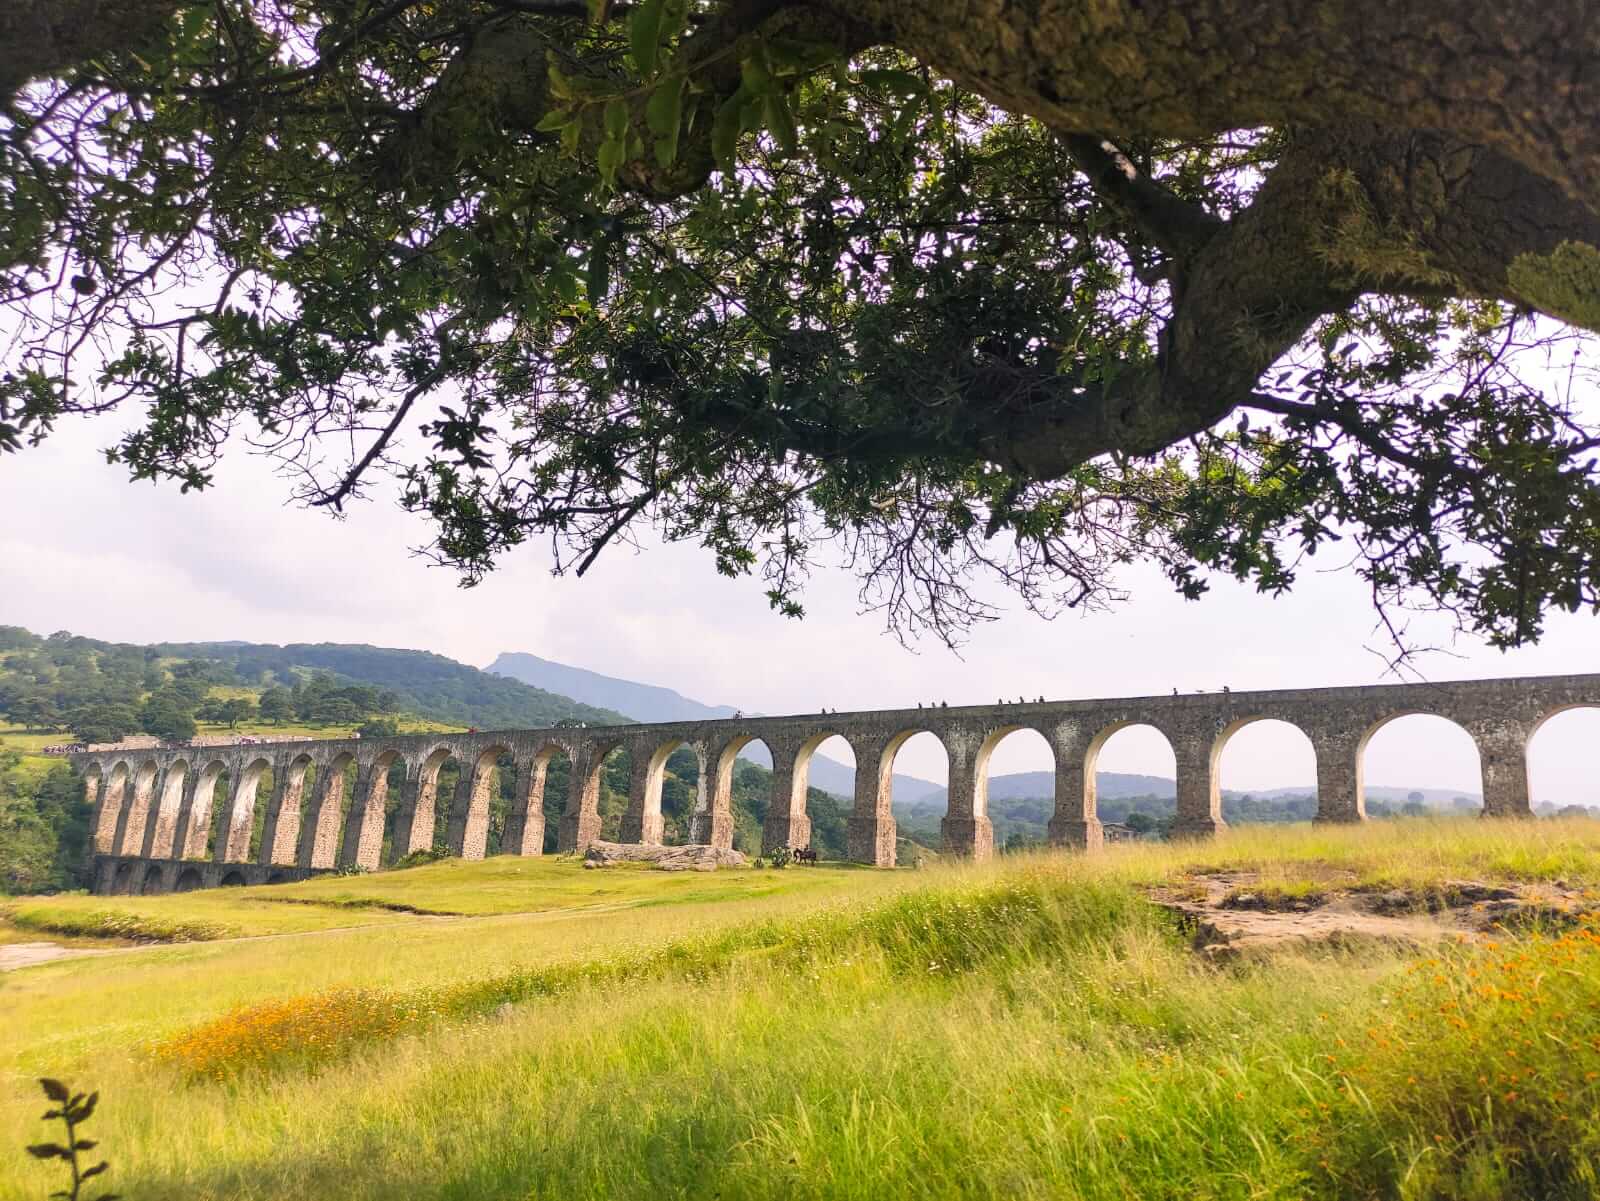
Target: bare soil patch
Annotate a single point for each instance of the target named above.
(1235, 915)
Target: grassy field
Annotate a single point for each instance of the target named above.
(1028, 1028)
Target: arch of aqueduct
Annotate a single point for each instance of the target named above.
(154, 808)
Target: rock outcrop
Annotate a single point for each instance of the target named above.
(697, 857)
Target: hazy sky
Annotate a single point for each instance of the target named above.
(87, 551)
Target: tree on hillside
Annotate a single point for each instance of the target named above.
(237, 709)
(276, 705)
(1028, 292)
(103, 722)
(34, 711)
(165, 715)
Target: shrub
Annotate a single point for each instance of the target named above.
(418, 858)
(110, 923)
(781, 856)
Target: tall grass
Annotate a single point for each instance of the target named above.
(1032, 1029)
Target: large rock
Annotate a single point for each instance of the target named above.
(697, 857)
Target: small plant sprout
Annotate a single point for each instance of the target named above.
(74, 1109)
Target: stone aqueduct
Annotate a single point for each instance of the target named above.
(153, 808)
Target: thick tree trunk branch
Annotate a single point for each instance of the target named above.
(39, 38)
(1518, 75)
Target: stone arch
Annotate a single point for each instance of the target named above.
(982, 767)
(723, 776)
(163, 829)
(790, 822)
(195, 837)
(363, 841)
(527, 830)
(122, 879)
(1578, 724)
(112, 795)
(645, 820)
(233, 843)
(580, 816)
(473, 803)
(319, 836)
(1089, 784)
(188, 880)
(1268, 725)
(93, 777)
(808, 750)
(291, 797)
(1390, 763)
(279, 875)
(875, 805)
(233, 879)
(136, 812)
(153, 882)
(419, 833)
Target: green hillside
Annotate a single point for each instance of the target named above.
(426, 684)
(67, 687)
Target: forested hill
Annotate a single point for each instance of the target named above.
(427, 684)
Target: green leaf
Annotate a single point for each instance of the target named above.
(781, 121)
(610, 157)
(560, 85)
(644, 34)
(726, 128)
(599, 10)
(616, 120)
(664, 115)
(754, 75)
(569, 138)
(556, 118)
(664, 109)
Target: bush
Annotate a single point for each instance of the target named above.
(418, 858)
(113, 924)
(781, 856)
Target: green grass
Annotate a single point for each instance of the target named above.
(500, 885)
(1030, 1028)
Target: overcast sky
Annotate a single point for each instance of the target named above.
(85, 550)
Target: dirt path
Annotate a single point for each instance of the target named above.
(14, 955)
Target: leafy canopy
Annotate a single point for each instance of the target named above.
(749, 278)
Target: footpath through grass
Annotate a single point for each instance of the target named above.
(1032, 1028)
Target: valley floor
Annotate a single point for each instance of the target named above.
(1042, 1026)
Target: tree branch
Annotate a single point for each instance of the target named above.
(1166, 219)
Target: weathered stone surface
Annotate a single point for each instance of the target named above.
(696, 857)
(1229, 919)
(149, 799)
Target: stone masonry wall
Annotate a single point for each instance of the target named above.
(156, 805)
